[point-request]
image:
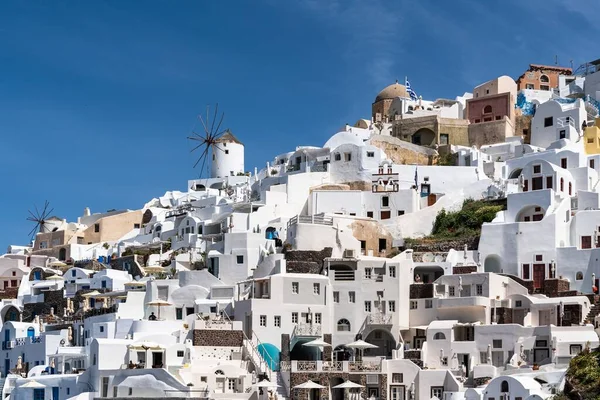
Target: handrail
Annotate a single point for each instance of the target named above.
(254, 351)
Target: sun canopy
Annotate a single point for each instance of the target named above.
(348, 385)
(266, 384)
(309, 385)
(361, 344)
(316, 343)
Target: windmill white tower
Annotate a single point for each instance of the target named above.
(227, 156)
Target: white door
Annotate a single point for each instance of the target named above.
(220, 385)
(544, 318)
(498, 358)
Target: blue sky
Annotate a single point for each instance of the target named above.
(97, 97)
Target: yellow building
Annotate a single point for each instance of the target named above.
(592, 138)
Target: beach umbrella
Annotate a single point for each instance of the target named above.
(309, 385)
(316, 343)
(361, 345)
(348, 385)
(266, 384)
(158, 304)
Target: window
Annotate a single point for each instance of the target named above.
(479, 290)
(445, 361)
(263, 320)
(96, 228)
(318, 318)
(428, 303)
(392, 306)
(525, 273)
(397, 378)
(439, 336)
(337, 157)
(277, 321)
(579, 276)
(316, 288)
(179, 353)
(574, 349)
(392, 272)
(537, 183)
(230, 384)
(369, 214)
(483, 357)
(226, 151)
(562, 134)
(487, 109)
(370, 154)
(413, 304)
(539, 257)
(130, 391)
(385, 215)
(367, 273)
(586, 242)
(437, 391)
(351, 297)
(295, 287)
(343, 325)
(367, 306)
(240, 259)
(382, 245)
(544, 87)
(541, 343)
(400, 212)
(477, 121)
(294, 318)
(548, 182)
(543, 78)
(336, 297)
(101, 329)
(525, 185)
(562, 184)
(529, 86)
(347, 157)
(451, 291)
(592, 164)
(519, 303)
(497, 343)
(487, 91)
(444, 138)
(570, 188)
(179, 313)
(548, 121)
(537, 169)
(590, 140)
(563, 163)
(385, 201)
(504, 387)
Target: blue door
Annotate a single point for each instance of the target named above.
(55, 393)
(30, 332)
(6, 366)
(37, 275)
(6, 335)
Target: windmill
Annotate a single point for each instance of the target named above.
(39, 218)
(208, 140)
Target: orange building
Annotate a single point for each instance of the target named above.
(542, 77)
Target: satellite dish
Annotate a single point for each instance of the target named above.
(439, 258)
(428, 257)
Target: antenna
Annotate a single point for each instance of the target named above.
(39, 218)
(571, 64)
(208, 140)
(556, 60)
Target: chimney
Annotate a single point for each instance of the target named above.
(87, 212)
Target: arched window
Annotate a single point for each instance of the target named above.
(343, 325)
(504, 387)
(579, 276)
(439, 336)
(487, 109)
(545, 79)
(570, 188)
(219, 372)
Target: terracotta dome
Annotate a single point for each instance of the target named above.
(391, 92)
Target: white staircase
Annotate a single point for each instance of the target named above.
(282, 391)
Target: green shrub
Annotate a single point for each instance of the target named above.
(466, 222)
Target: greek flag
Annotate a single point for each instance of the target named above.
(411, 93)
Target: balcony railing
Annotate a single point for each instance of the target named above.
(310, 219)
(330, 366)
(307, 330)
(8, 344)
(20, 341)
(379, 319)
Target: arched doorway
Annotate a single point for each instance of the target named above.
(304, 353)
(492, 263)
(423, 137)
(384, 341)
(531, 214)
(62, 254)
(342, 353)
(342, 272)
(515, 173)
(336, 394)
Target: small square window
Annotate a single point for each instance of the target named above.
(367, 273)
(369, 214)
(318, 318)
(391, 306)
(428, 303)
(294, 318)
(240, 259)
(479, 290)
(537, 169)
(392, 272)
(226, 151)
(497, 343)
(539, 257)
(347, 157)
(397, 378)
(337, 157)
(295, 287)
(413, 304)
(370, 154)
(548, 121)
(180, 353)
(562, 134)
(277, 321)
(263, 320)
(519, 303)
(400, 212)
(451, 291)
(367, 306)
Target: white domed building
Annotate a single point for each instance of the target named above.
(227, 156)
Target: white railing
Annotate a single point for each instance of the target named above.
(307, 330)
(310, 219)
(330, 366)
